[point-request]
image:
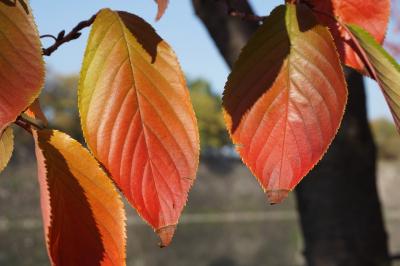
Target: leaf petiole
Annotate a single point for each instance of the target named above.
(26, 121)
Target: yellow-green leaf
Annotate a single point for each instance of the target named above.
(383, 68)
(137, 117)
(6, 147)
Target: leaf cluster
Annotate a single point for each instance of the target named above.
(282, 105)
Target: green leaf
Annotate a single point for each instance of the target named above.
(383, 68)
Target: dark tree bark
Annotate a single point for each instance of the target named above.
(230, 34)
(339, 208)
(338, 202)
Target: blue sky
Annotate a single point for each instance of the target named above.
(179, 27)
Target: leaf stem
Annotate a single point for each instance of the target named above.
(26, 122)
(72, 35)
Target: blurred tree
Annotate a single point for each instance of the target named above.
(59, 104)
(386, 138)
(207, 106)
(339, 208)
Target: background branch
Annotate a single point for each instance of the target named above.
(72, 35)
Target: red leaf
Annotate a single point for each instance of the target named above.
(137, 117)
(372, 15)
(82, 212)
(21, 64)
(162, 6)
(285, 98)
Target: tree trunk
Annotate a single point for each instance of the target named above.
(338, 203)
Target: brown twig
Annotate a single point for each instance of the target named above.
(72, 35)
(49, 36)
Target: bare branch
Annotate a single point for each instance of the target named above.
(72, 35)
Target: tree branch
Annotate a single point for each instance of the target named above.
(230, 33)
(72, 35)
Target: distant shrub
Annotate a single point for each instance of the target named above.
(387, 140)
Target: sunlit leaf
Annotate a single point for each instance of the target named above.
(21, 64)
(285, 98)
(6, 147)
(162, 6)
(82, 212)
(35, 111)
(372, 15)
(137, 117)
(383, 68)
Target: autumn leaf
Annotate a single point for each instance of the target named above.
(35, 111)
(162, 6)
(82, 212)
(382, 67)
(6, 147)
(285, 98)
(371, 15)
(137, 117)
(21, 67)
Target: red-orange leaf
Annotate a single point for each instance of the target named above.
(35, 111)
(82, 212)
(285, 98)
(21, 63)
(372, 15)
(162, 6)
(137, 117)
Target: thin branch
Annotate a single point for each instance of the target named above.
(48, 36)
(72, 35)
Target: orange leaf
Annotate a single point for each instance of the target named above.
(137, 117)
(21, 64)
(372, 15)
(82, 212)
(6, 147)
(285, 98)
(35, 111)
(162, 6)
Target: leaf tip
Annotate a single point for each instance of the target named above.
(277, 196)
(162, 6)
(166, 234)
